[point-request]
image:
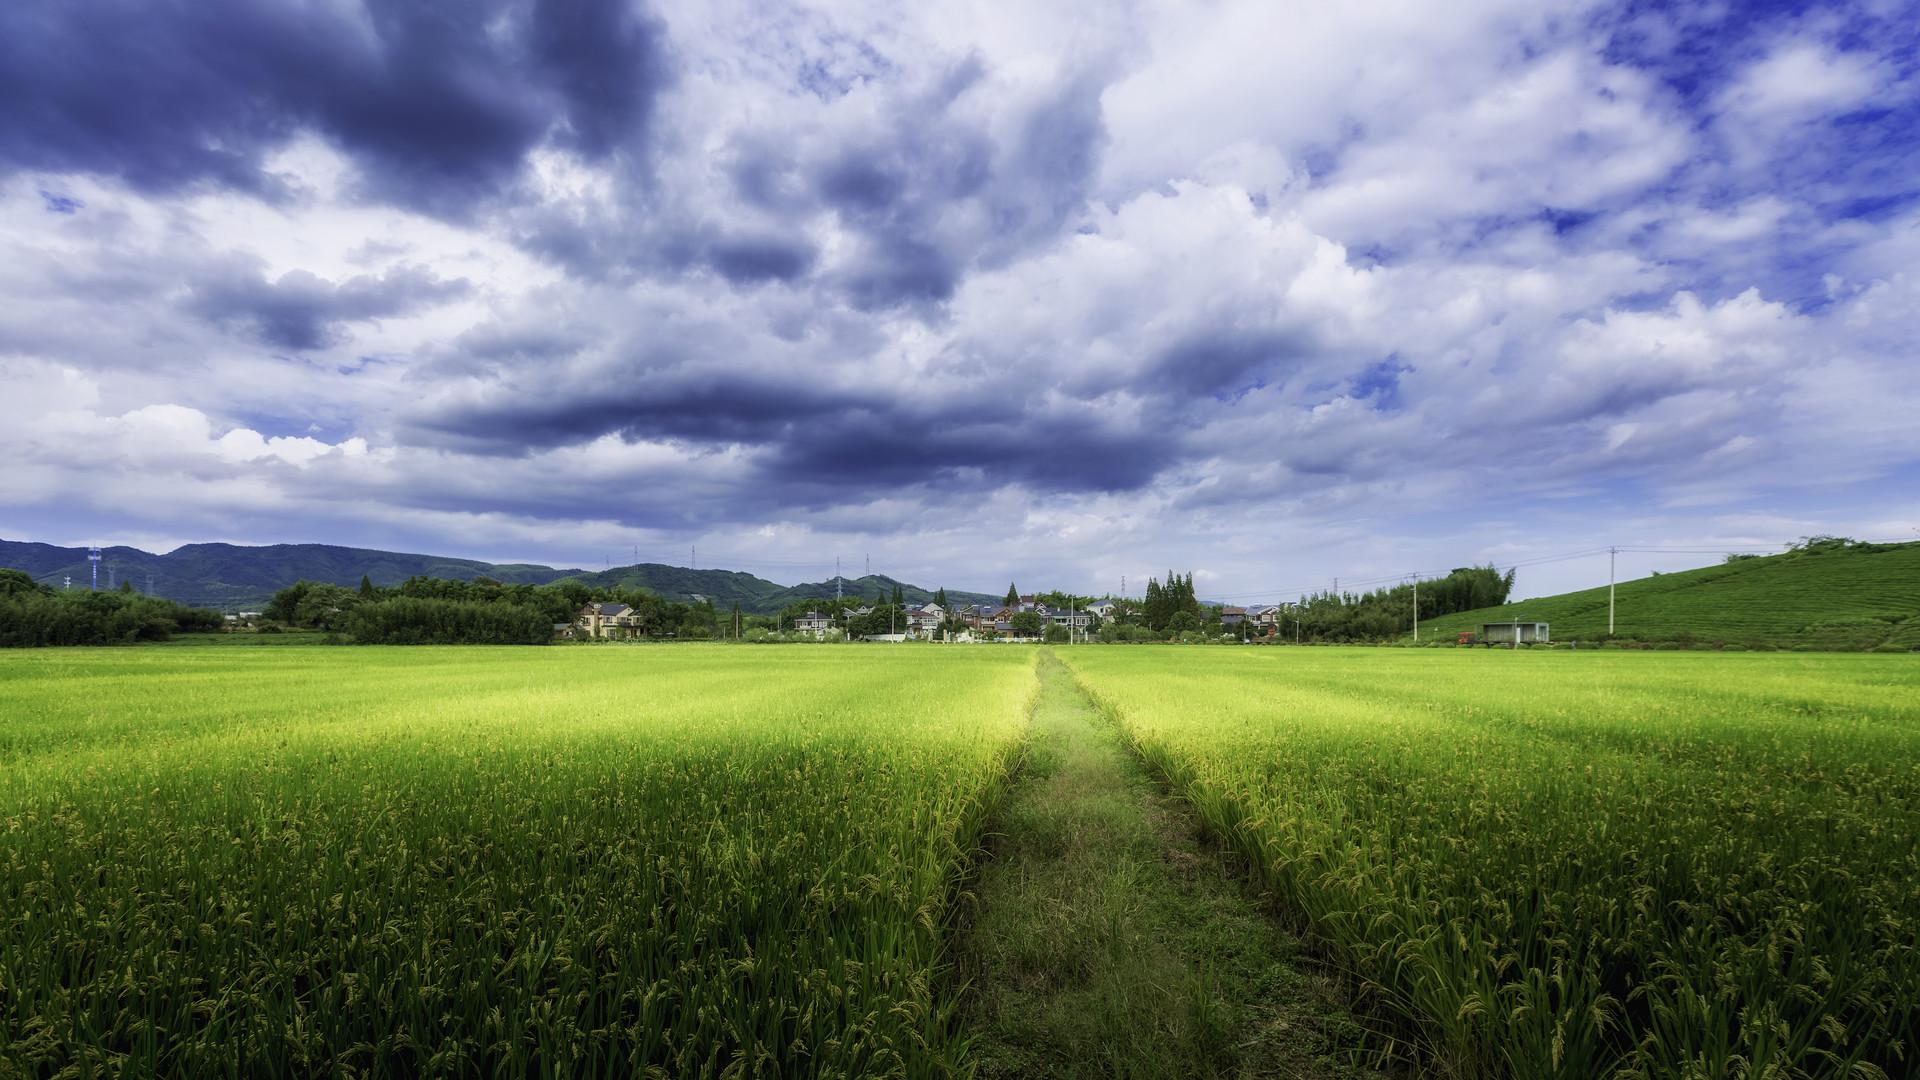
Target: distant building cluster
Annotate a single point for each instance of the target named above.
(928, 621)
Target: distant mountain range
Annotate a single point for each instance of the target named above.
(229, 577)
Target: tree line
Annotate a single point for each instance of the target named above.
(32, 615)
(426, 610)
(1387, 614)
(1171, 609)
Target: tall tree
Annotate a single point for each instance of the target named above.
(366, 585)
(940, 597)
(1013, 594)
(899, 598)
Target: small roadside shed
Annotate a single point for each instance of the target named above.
(1513, 633)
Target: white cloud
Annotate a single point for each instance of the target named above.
(1801, 79)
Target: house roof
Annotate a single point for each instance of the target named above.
(611, 608)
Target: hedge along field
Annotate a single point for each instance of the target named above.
(677, 861)
(1574, 864)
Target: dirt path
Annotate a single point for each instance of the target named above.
(1111, 940)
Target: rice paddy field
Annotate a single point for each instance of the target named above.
(501, 862)
(1573, 864)
(707, 861)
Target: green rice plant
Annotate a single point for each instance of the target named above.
(676, 861)
(1577, 865)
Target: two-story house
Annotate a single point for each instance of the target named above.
(607, 620)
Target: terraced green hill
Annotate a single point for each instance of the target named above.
(1834, 597)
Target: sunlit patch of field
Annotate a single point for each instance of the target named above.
(490, 861)
(1573, 864)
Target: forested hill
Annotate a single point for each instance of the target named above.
(229, 577)
(1832, 595)
(758, 595)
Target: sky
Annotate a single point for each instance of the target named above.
(966, 293)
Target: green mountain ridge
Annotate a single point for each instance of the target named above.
(232, 577)
(1854, 596)
(758, 595)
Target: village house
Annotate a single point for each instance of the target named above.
(607, 621)
(1072, 620)
(1232, 616)
(925, 621)
(813, 622)
(977, 616)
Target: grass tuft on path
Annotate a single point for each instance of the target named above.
(1111, 941)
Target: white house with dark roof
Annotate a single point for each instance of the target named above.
(607, 620)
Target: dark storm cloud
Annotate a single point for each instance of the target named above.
(642, 399)
(966, 450)
(300, 311)
(745, 260)
(931, 194)
(437, 103)
(899, 269)
(811, 435)
(1218, 363)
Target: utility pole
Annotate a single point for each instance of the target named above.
(1416, 609)
(1611, 552)
(693, 557)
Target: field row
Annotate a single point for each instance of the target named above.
(540, 862)
(1625, 865)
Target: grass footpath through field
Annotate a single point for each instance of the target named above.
(1574, 865)
(1110, 941)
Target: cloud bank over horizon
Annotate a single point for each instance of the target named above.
(978, 291)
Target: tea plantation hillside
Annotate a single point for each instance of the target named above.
(1828, 596)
